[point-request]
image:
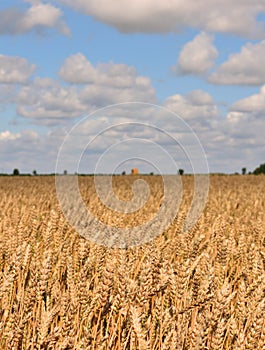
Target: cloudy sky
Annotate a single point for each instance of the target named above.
(62, 61)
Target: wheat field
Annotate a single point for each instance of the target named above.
(203, 289)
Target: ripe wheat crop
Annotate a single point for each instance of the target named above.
(202, 289)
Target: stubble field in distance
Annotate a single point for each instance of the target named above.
(203, 289)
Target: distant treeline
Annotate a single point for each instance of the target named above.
(259, 170)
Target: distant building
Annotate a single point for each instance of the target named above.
(134, 171)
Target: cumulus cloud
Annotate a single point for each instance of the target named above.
(253, 105)
(243, 68)
(196, 106)
(47, 101)
(244, 133)
(240, 135)
(28, 150)
(106, 83)
(231, 141)
(15, 70)
(78, 70)
(7, 136)
(156, 16)
(37, 17)
(197, 56)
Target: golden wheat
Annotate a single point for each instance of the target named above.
(203, 289)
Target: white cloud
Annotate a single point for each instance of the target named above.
(28, 150)
(197, 56)
(106, 83)
(243, 68)
(78, 70)
(245, 140)
(100, 95)
(15, 70)
(241, 134)
(197, 106)
(231, 142)
(47, 101)
(38, 16)
(156, 16)
(254, 104)
(7, 136)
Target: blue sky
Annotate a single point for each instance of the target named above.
(62, 60)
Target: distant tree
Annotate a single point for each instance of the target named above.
(181, 171)
(244, 171)
(65, 172)
(16, 172)
(34, 172)
(260, 169)
(124, 172)
(151, 173)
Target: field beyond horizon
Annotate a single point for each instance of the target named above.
(202, 289)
